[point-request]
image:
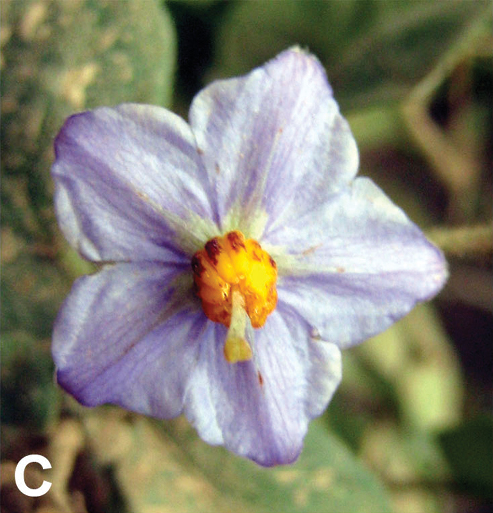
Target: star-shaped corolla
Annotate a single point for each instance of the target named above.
(246, 341)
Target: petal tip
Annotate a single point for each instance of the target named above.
(277, 457)
(440, 274)
(299, 55)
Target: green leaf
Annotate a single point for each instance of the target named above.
(327, 477)
(469, 451)
(32, 291)
(29, 395)
(161, 465)
(60, 57)
(415, 357)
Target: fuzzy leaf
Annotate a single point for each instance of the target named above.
(166, 465)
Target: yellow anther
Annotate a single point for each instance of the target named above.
(235, 245)
(236, 281)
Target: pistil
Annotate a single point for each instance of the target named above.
(236, 281)
(236, 348)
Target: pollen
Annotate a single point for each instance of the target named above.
(234, 267)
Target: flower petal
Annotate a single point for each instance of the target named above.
(358, 265)
(260, 409)
(129, 335)
(126, 177)
(273, 140)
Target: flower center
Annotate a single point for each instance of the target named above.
(235, 278)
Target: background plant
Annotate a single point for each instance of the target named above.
(410, 428)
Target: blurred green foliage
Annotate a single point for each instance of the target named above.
(469, 450)
(415, 80)
(166, 464)
(374, 51)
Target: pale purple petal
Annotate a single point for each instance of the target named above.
(121, 175)
(357, 265)
(130, 336)
(260, 409)
(274, 139)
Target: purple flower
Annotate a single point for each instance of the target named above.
(140, 192)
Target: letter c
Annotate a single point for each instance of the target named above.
(19, 475)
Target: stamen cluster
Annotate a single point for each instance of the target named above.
(233, 263)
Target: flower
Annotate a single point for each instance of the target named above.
(326, 260)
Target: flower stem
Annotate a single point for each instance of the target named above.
(466, 242)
